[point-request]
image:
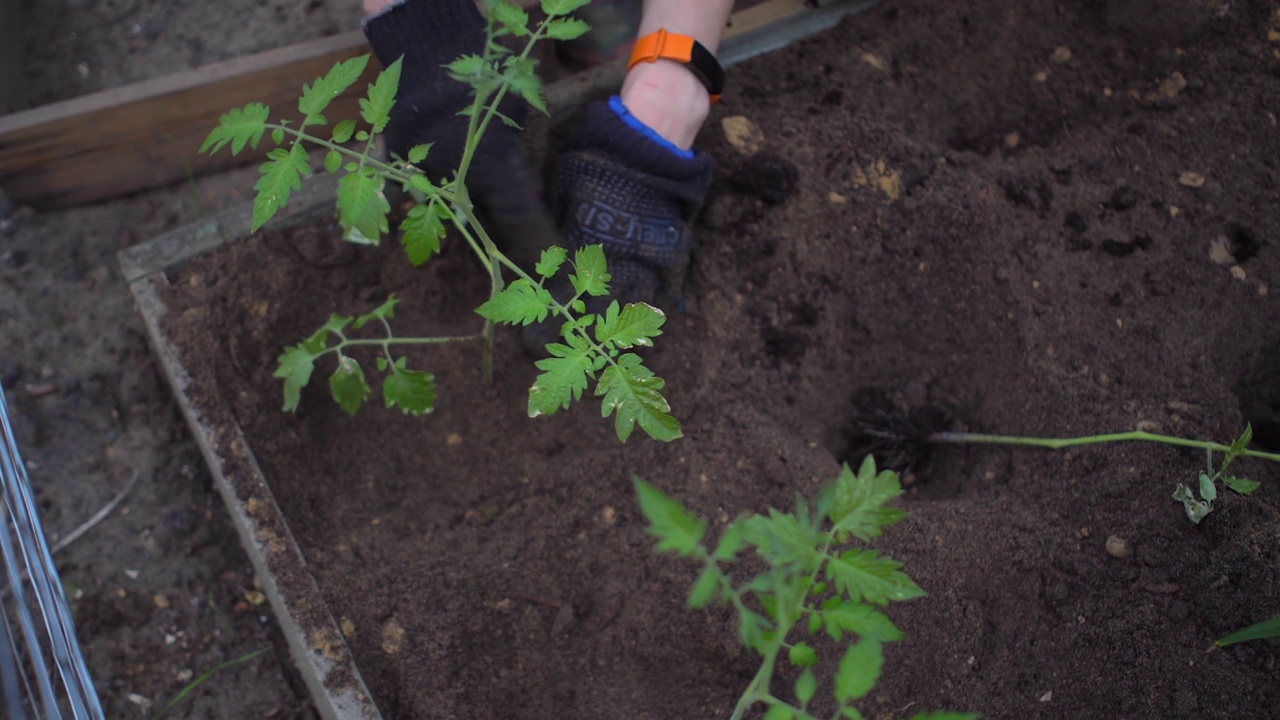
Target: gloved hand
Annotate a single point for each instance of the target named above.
(622, 186)
(430, 34)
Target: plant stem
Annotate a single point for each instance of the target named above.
(1059, 443)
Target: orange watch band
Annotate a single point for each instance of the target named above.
(663, 45)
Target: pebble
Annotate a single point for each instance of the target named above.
(742, 134)
(1118, 547)
(1220, 251)
(1172, 85)
(1238, 273)
(1061, 54)
(1191, 179)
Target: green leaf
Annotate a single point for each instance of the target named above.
(815, 623)
(1196, 509)
(413, 391)
(859, 670)
(677, 531)
(566, 29)
(1208, 490)
(858, 501)
(385, 311)
(512, 18)
(522, 75)
(779, 712)
(418, 153)
(551, 260)
(239, 127)
(730, 543)
(944, 715)
(467, 68)
(752, 629)
(362, 207)
(705, 587)
(865, 574)
(841, 616)
(343, 131)
(631, 393)
(1242, 486)
(316, 343)
(294, 367)
(553, 8)
(850, 713)
(282, 173)
(1265, 629)
(277, 136)
(590, 276)
(635, 325)
(806, 685)
(317, 96)
(784, 540)
(332, 161)
(801, 655)
(421, 231)
(564, 377)
(520, 303)
(376, 108)
(347, 384)
(1237, 447)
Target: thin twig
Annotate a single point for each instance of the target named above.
(98, 517)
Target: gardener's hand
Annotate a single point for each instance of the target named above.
(623, 186)
(430, 34)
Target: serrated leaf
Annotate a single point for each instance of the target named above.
(316, 343)
(420, 233)
(1265, 629)
(783, 540)
(418, 153)
(375, 108)
(590, 276)
(413, 391)
(1237, 447)
(859, 671)
(512, 18)
(520, 303)
(521, 74)
(677, 531)
(343, 131)
(731, 541)
(752, 629)
(553, 8)
(467, 68)
(1196, 509)
(551, 260)
(282, 173)
(636, 324)
(385, 311)
(566, 29)
(317, 96)
(806, 685)
(332, 162)
(631, 393)
(1241, 486)
(802, 655)
(362, 206)
(815, 623)
(858, 501)
(239, 127)
(294, 367)
(564, 377)
(779, 712)
(867, 575)
(840, 617)
(705, 587)
(348, 386)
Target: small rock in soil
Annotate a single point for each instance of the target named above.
(1218, 252)
(1191, 179)
(742, 134)
(1118, 547)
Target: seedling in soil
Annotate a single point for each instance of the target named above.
(817, 580)
(1259, 631)
(592, 346)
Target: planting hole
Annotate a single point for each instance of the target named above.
(1259, 393)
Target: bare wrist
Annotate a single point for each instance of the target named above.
(669, 99)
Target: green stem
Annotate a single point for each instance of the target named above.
(386, 343)
(754, 692)
(1059, 443)
(387, 170)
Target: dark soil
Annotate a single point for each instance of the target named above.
(991, 224)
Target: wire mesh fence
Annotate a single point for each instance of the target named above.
(43, 675)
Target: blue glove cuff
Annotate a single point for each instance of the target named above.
(615, 104)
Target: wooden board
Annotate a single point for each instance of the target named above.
(146, 134)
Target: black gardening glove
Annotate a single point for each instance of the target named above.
(621, 186)
(430, 34)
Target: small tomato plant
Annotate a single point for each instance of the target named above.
(592, 347)
(817, 580)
